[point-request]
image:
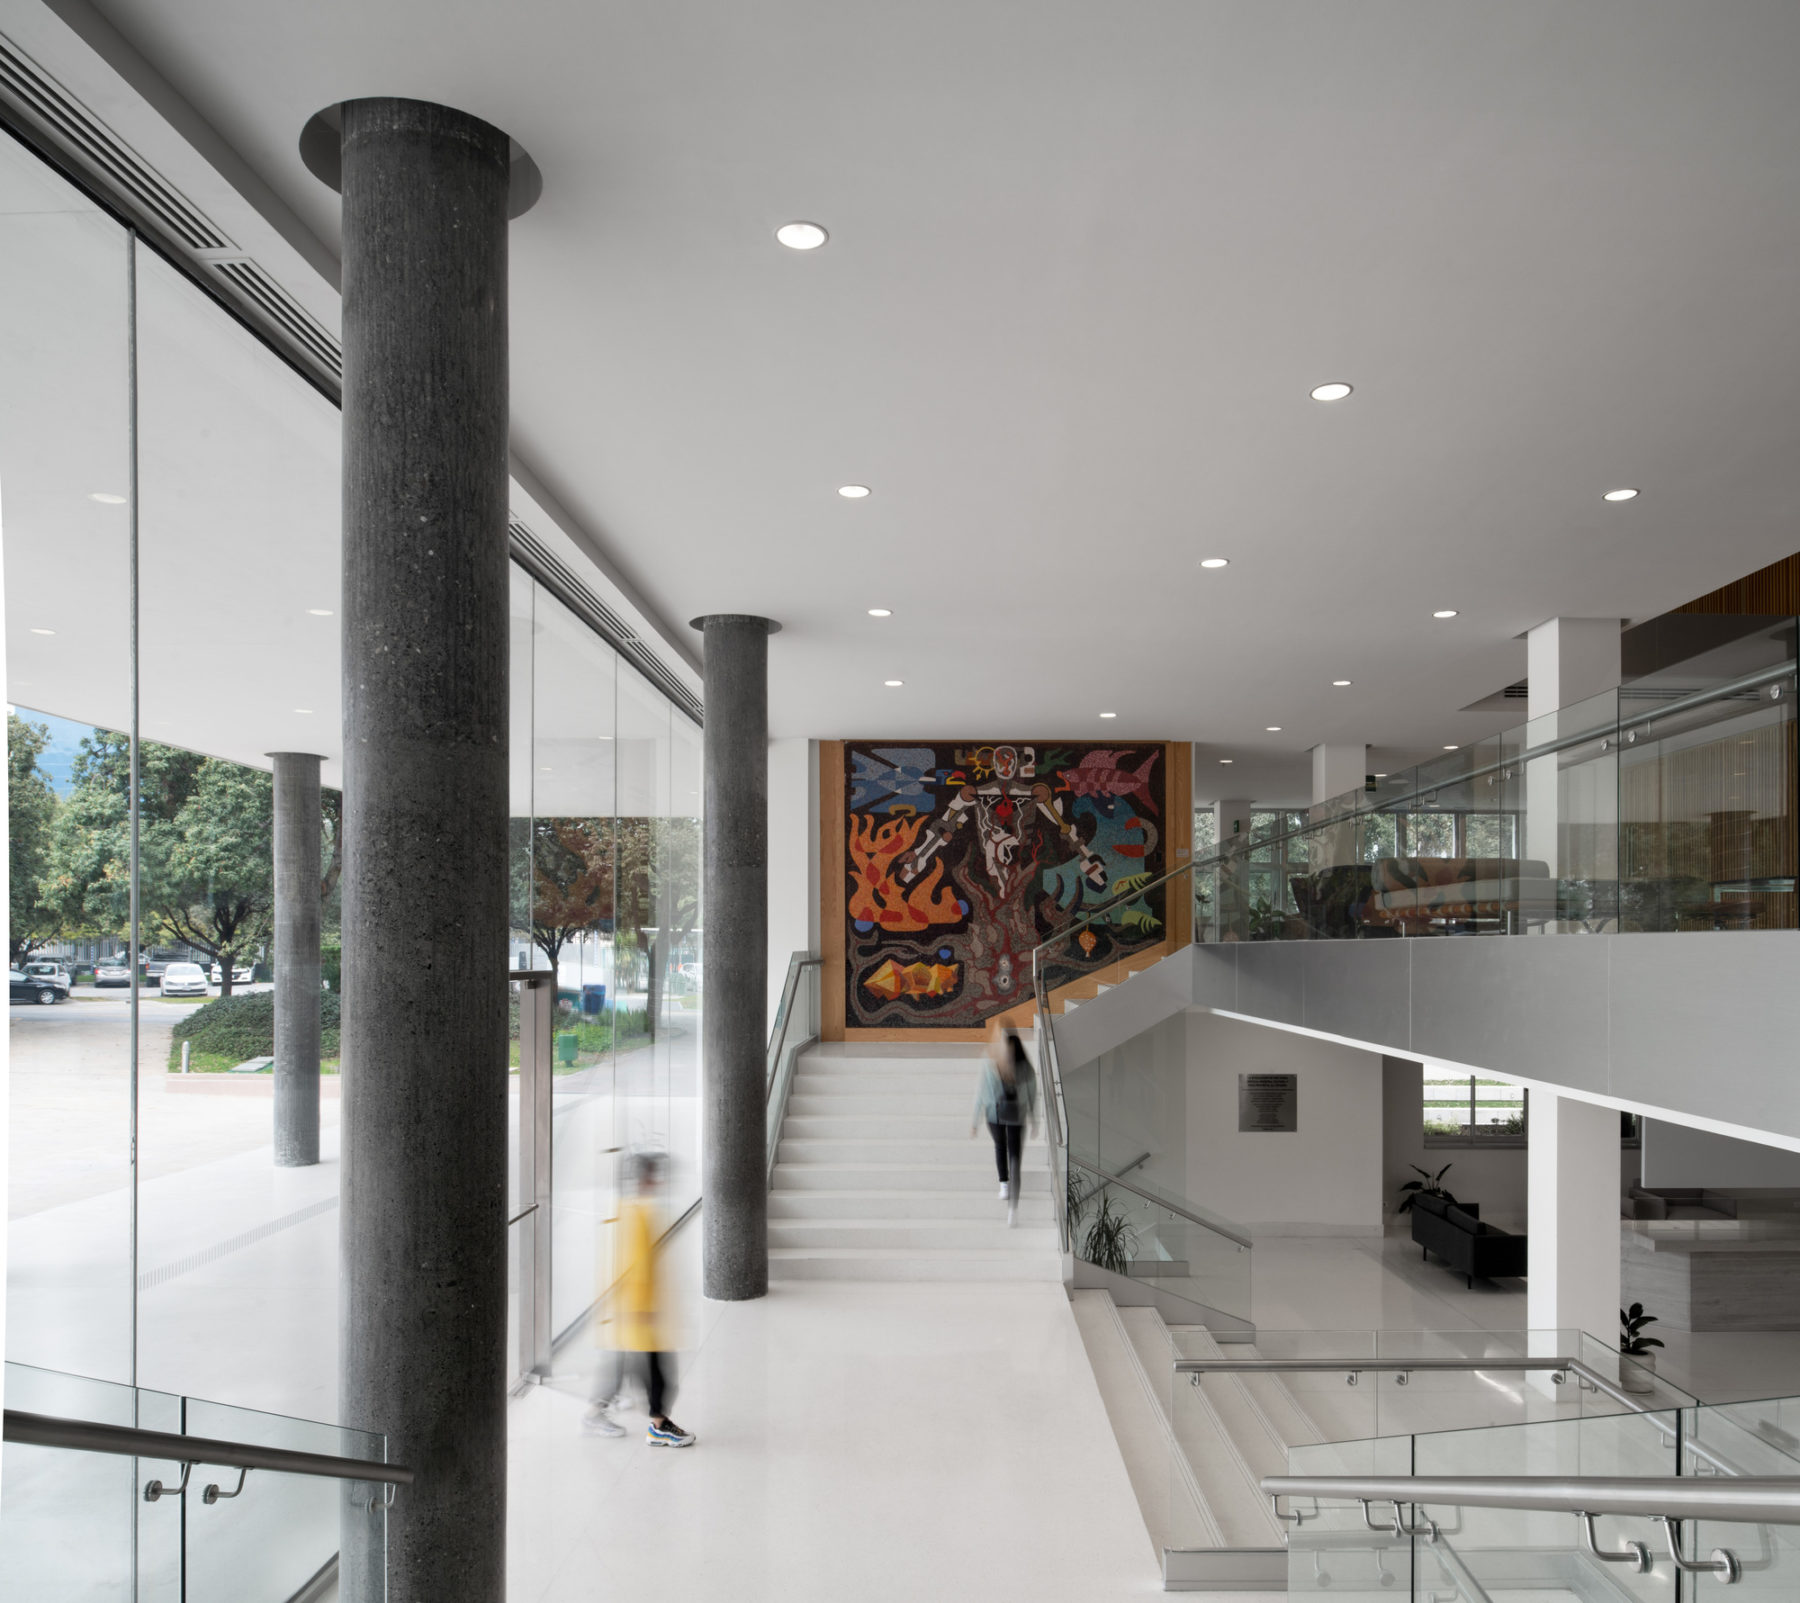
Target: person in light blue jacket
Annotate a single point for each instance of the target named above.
(1006, 1098)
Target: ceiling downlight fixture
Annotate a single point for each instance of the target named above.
(1340, 683)
(43, 631)
(1271, 729)
(1215, 562)
(893, 684)
(1334, 391)
(1109, 715)
(854, 492)
(106, 498)
(1446, 612)
(1620, 495)
(801, 236)
(881, 612)
(1228, 759)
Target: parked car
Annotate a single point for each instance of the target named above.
(55, 973)
(184, 979)
(112, 971)
(24, 987)
(241, 973)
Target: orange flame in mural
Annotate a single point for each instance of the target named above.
(876, 896)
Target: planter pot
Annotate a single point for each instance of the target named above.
(1637, 1374)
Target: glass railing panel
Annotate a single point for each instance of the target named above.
(75, 1525)
(278, 1531)
(1511, 1550)
(1333, 1549)
(1128, 1233)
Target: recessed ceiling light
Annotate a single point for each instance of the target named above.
(318, 612)
(43, 631)
(544, 769)
(880, 612)
(1340, 683)
(306, 711)
(1215, 562)
(106, 498)
(1228, 759)
(1381, 776)
(1453, 748)
(1109, 715)
(1271, 729)
(853, 492)
(1331, 392)
(1620, 495)
(801, 236)
(1447, 612)
(893, 684)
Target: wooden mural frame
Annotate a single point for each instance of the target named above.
(1178, 759)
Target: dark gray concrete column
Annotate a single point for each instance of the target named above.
(298, 827)
(425, 831)
(735, 992)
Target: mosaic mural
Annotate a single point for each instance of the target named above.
(962, 857)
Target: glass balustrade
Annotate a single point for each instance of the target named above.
(1438, 1548)
(100, 1526)
(1666, 806)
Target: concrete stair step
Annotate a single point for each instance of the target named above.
(968, 1153)
(1029, 1261)
(890, 1206)
(849, 1057)
(875, 1125)
(946, 1086)
(1175, 1513)
(1213, 1454)
(896, 1177)
(890, 1104)
(930, 1235)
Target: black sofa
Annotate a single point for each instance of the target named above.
(1464, 1242)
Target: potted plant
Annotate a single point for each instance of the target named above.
(1428, 1185)
(1640, 1373)
(1110, 1239)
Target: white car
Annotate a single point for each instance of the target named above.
(241, 973)
(184, 979)
(55, 973)
(112, 971)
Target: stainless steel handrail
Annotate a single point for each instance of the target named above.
(798, 962)
(782, 1057)
(1764, 1500)
(89, 1436)
(1234, 1233)
(1698, 698)
(1338, 1366)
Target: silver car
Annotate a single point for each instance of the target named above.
(55, 973)
(112, 971)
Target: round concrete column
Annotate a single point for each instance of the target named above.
(735, 892)
(425, 819)
(298, 825)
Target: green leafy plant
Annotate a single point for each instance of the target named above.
(235, 1028)
(1632, 1343)
(1430, 1185)
(1267, 923)
(1110, 1239)
(1075, 1200)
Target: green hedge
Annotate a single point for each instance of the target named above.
(240, 1027)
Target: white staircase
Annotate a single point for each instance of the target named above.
(876, 1177)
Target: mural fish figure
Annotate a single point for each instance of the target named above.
(915, 979)
(1099, 774)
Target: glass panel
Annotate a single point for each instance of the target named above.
(279, 1531)
(682, 864)
(572, 931)
(65, 476)
(240, 576)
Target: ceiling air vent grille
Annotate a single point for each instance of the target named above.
(44, 101)
(555, 576)
(274, 302)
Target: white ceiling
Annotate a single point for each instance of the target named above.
(1086, 262)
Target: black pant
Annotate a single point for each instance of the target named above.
(1009, 1142)
(659, 1379)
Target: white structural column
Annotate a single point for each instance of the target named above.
(1337, 769)
(1572, 1178)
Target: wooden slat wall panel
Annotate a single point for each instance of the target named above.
(1773, 591)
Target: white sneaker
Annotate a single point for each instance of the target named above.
(1003, 1190)
(599, 1422)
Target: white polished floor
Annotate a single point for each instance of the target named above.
(878, 1441)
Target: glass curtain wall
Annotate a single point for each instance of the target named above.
(152, 1241)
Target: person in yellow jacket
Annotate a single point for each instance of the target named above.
(634, 1327)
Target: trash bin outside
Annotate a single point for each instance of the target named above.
(567, 1044)
(593, 1000)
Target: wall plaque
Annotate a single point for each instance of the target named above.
(1268, 1102)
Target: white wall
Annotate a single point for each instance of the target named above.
(793, 857)
(1325, 1178)
(1678, 1155)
